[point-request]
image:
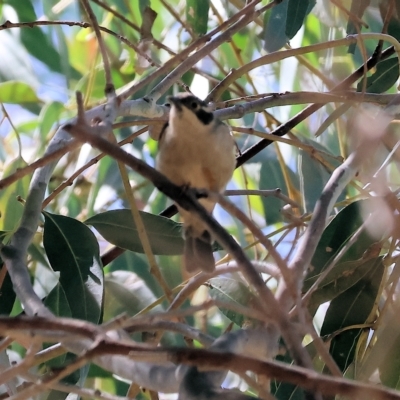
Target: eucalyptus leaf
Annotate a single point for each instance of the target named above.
(118, 228)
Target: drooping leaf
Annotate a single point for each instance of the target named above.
(118, 228)
(385, 76)
(230, 288)
(197, 15)
(72, 249)
(352, 307)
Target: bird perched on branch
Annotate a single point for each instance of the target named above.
(196, 150)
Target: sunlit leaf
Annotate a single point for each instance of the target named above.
(15, 92)
(10, 208)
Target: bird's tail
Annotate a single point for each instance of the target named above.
(198, 252)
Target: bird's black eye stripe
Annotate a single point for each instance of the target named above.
(197, 106)
(204, 116)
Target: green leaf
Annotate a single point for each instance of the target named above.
(118, 228)
(15, 92)
(271, 177)
(385, 76)
(340, 278)
(72, 249)
(197, 15)
(10, 208)
(335, 236)
(230, 288)
(275, 27)
(296, 13)
(352, 307)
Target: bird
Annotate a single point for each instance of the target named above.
(196, 150)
